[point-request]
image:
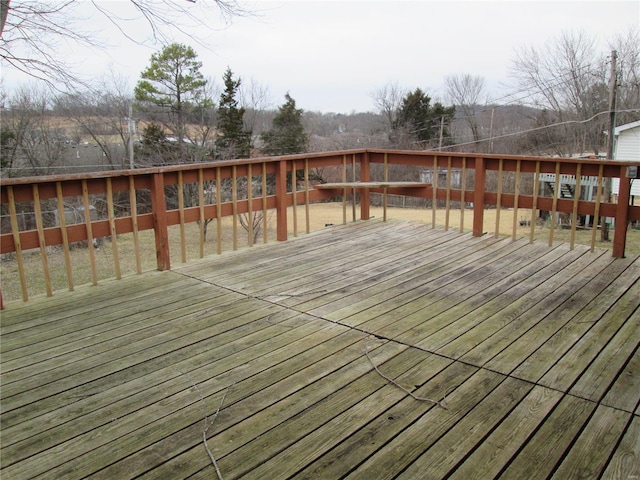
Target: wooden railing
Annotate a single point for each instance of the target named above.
(41, 214)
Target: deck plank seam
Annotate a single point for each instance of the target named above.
(369, 334)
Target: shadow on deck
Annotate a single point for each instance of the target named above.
(376, 350)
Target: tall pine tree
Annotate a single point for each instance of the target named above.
(173, 84)
(233, 140)
(422, 120)
(287, 134)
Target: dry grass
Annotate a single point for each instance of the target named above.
(319, 216)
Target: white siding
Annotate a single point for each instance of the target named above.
(628, 148)
(628, 145)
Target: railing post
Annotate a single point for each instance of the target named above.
(281, 200)
(478, 197)
(159, 211)
(622, 215)
(365, 176)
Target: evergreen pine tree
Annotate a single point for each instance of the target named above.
(232, 141)
(287, 134)
(421, 119)
(174, 84)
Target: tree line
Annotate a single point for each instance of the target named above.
(175, 115)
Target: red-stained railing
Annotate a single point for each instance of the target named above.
(50, 215)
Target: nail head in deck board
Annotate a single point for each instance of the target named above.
(547, 447)
(495, 452)
(356, 403)
(624, 394)
(501, 348)
(613, 300)
(400, 296)
(364, 442)
(498, 312)
(118, 401)
(553, 317)
(568, 369)
(405, 448)
(589, 455)
(596, 379)
(625, 462)
(495, 281)
(265, 403)
(455, 445)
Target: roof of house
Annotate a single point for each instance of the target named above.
(626, 126)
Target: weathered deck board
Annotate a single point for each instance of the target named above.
(534, 352)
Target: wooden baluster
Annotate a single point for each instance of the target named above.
(250, 204)
(87, 222)
(134, 221)
(234, 203)
(218, 211)
(353, 190)
(384, 192)
(554, 205)
(112, 229)
(265, 222)
(463, 187)
(183, 236)
(499, 198)
(448, 200)
(201, 209)
(534, 206)
(574, 213)
(516, 195)
(294, 190)
(37, 209)
(65, 235)
(306, 195)
(15, 230)
(596, 213)
(434, 199)
(344, 191)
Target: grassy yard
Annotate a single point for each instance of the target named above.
(320, 216)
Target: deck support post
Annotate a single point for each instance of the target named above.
(281, 200)
(160, 229)
(478, 197)
(622, 215)
(365, 176)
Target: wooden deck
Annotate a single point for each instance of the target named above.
(282, 356)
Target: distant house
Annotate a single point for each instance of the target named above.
(627, 148)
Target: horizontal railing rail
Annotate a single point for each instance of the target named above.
(62, 211)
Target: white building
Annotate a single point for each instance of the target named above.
(627, 148)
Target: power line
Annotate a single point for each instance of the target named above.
(544, 127)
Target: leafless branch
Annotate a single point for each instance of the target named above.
(208, 424)
(411, 394)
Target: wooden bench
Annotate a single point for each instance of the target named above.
(369, 185)
(366, 186)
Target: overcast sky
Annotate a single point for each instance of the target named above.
(331, 55)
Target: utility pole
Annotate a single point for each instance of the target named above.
(132, 130)
(613, 86)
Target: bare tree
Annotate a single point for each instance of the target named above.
(627, 46)
(256, 100)
(102, 114)
(39, 146)
(388, 100)
(465, 91)
(34, 32)
(202, 121)
(566, 77)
